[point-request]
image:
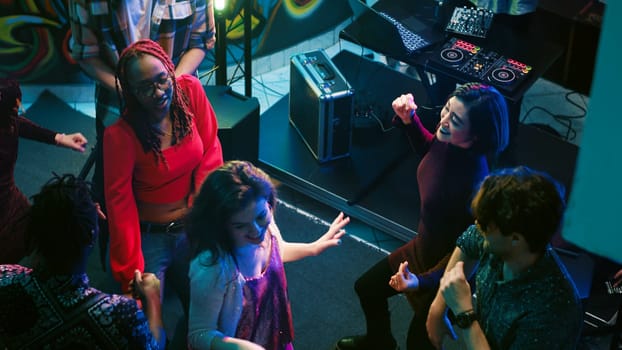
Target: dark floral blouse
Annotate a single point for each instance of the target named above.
(41, 311)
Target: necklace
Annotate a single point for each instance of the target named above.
(164, 127)
(161, 131)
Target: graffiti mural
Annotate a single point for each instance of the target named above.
(35, 34)
(34, 37)
(278, 24)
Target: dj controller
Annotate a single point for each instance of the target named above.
(473, 63)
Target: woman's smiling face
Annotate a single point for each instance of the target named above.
(455, 126)
(249, 225)
(152, 85)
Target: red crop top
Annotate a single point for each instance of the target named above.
(131, 175)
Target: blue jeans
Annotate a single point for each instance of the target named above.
(167, 256)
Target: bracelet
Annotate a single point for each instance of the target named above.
(59, 136)
(210, 33)
(465, 312)
(413, 114)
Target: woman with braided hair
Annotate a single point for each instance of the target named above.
(156, 157)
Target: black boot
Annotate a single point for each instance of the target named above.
(361, 342)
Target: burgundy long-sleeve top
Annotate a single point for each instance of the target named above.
(447, 177)
(13, 203)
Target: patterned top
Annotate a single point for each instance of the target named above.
(266, 317)
(217, 299)
(104, 28)
(41, 311)
(538, 310)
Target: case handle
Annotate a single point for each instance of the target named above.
(325, 72)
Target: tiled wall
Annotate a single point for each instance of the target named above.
(279, 59)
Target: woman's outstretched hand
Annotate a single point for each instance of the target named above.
(332, 237)
(75, 141)
(404, 280)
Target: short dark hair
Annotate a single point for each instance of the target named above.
(63, 221)
(488, 115)
(10, 91)
(521, 200)
(225, 192)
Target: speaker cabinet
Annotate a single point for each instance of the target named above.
(238, 122)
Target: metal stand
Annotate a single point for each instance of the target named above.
(222, 50)
(90, 161)
(248, 60)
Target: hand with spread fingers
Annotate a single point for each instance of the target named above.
(332, 237)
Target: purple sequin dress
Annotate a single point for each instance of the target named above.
(266, 317)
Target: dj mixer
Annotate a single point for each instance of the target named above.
(473, 63)
(470, 21)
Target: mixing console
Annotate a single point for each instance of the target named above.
(472, 63)
(470, 21)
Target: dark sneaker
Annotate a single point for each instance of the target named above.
(360, 342)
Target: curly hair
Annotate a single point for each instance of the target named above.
(62, 221)
(133, 111)
(225, 192)
(521, 200)
(488, 114)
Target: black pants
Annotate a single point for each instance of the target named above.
(374, 291)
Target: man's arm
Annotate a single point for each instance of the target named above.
(190, 61)
(98, 70)
(202, 39)
(147, 288)
(85, 47)
(437, 324)
(456, 292)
